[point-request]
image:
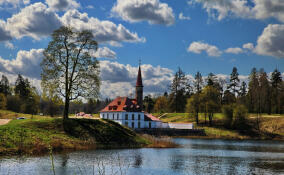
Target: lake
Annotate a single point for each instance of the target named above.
(195, 156)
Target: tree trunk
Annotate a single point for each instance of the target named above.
(196, 117)
(66, 109)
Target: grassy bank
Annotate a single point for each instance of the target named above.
(271, 126)
(42, 134)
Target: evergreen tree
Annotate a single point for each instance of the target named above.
(264, 92)
(253, 90)
(22, 87)
(5, 86)
(198, 82)
(276, 81)
(234, 81)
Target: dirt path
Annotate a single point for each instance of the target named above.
(4, 121)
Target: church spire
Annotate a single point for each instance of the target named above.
(139, 88)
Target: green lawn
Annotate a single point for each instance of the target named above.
(272, 124)
(36, 136)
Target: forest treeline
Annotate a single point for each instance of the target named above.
(24, 98)
(262, 94)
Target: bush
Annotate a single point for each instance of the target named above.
(227, 110)
(240, 114)
(14, 103)
(3, 101)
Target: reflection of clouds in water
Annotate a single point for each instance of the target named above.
(194, 157)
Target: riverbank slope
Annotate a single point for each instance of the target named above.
(271, 126)
(41, 135)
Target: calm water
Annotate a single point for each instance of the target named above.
(196, 156)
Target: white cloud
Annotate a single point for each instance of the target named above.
(255, 9)
(119, 79)
(248, 46)
(182, 17)
(103, 31)
(9, 45)
(4, 32)
(62, 5)
(104, 52)
(153, 11)
(270, 42)
(234, 50)
(26, 63)
(90, 7)
(35, 21)
(198, 47)
(13, 3)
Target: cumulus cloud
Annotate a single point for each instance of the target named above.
(4, 33)
(104, 52)
(248, 46)
(153, 11)
(182, 17)
(26, 63)
(234, 50)
(62, 5)
(270, 42)
(13, 3)
(9, 45)
(256, 9)
(103, 31)
(199, 46)
(34, 21)
(119, 79)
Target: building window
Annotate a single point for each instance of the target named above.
(103, 115)
(117, 116)
(107, 116)
(132, 116)
(138, 124)
(132, 124)
(113, 116)
(126, 116)
(138, 116)
(150, 125)
(126, 124)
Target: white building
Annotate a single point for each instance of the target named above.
(129, 112)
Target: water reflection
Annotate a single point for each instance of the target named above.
(194, 157)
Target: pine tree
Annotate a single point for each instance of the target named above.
(22, 87)
(198, 82)
(253, 90)
(276, 81)
(4, 86)
(234, 81)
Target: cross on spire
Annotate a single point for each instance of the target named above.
(139, 62)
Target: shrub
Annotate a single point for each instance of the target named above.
(3, 101)
(240, 114)
(227, 110)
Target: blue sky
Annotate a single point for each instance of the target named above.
(197, 35)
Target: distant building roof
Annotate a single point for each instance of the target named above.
(122, 104)
(150, 117)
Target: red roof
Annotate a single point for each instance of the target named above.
(139, 78)
(122, 104)
(151, 117)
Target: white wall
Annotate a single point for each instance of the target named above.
(181, 125)
(120, 117)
